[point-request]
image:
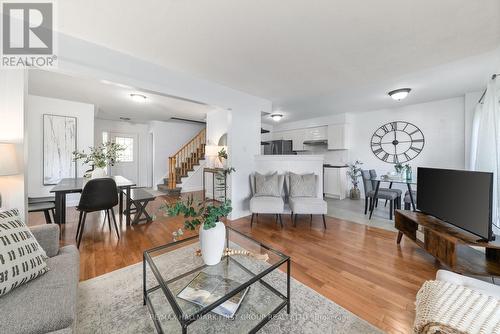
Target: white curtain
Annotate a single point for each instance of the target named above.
(485, 146)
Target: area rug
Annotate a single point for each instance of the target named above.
(112, 303)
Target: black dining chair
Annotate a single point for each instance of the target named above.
(97, 195)
(391, 196)
(373, 175)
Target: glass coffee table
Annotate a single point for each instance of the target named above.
(168, 269)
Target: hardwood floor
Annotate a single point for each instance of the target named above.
(359, 267)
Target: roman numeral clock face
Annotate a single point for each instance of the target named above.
(397, 142)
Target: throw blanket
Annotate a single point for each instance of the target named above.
(447, 308)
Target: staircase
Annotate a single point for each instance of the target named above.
(184, 161)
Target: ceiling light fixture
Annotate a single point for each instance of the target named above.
(276, 117)
(399, 94)
(138, 98)
(125, 118)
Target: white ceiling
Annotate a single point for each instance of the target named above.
(310, 58)
(111, 100)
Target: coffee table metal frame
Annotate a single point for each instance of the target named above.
(186, 321)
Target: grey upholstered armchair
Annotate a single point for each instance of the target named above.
(269, 199)
(307, 203)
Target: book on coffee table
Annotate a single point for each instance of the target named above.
(205, 289)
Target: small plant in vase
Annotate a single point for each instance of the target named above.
(399, 168)
(408, 172)
(354, 172)
(99, 157)
(211, 230)
(222, 156)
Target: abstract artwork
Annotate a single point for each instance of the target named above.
(59, 143)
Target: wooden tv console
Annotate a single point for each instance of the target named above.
(456, 249)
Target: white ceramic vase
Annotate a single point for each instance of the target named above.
(99, 173)
(212, 243)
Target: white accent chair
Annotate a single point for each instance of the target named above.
(486, 288)
(306, 205)
(267, 204)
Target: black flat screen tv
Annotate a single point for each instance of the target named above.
(462, 198)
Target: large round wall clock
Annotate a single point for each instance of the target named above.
(397, 142)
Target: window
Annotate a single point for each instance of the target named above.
(126, 155)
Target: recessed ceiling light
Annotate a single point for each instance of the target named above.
(125, 118)
(138, 97)
(399, 94)
(276, 117)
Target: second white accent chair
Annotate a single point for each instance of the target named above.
(302, 196)
(267, 195)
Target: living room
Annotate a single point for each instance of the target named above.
(254, 167)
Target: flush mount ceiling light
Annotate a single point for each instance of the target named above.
(399, 94)
(138, 98)
(276, 117)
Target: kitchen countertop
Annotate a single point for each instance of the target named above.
(334, 166)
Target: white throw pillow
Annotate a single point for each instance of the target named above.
(302, 185)
(267, 185)
(22, 259)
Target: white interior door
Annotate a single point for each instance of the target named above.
(127, 163)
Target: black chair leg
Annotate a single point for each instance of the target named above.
(106, 215)
(105, 218)
(81, 229)
(79, 225)
(376, 203)
(324, 222)
(311, 220)
(281, 220)
(295, 220)
(112, 213)
(366, 204)
(385, 204)
(391, 209)
(47, 217)
(251, 220)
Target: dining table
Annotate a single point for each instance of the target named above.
(379, 179)
(76, 185)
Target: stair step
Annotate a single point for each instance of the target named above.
(172, 192)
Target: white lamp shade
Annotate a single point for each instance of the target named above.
(212, 150)
(8, 160)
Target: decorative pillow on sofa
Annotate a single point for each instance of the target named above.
(268, 185)
(21, 257)
(302, 185)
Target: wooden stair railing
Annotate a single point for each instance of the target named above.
(185, 158)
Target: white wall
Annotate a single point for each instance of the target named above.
(283, 164)
(243, 145)
(36, 107)
(442, 123)
(143, 145)
(81, 58)
(168, 138)
(12, 129)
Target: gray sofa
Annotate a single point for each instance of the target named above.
(48, 303)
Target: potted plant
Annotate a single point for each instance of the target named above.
(212, 232)
(222, 155)
(100, 157)
(408, 172)
(354, 172)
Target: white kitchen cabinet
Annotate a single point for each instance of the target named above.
(298, 140)
(338, 137)
(316, 133)
(335, 182)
